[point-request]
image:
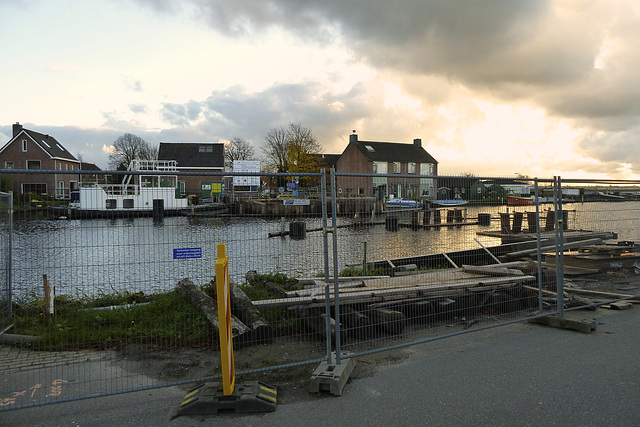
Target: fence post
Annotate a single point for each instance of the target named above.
(325, 244)
(559, 228)
(336, 286)
(10, 257)
(538, 244)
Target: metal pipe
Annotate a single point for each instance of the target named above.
(336, 287)
(538, 245)
(560, 266)
(325, 244)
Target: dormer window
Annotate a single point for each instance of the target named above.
(205, 148)
(24, 145)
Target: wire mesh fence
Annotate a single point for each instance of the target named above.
(112, 288)
(6, 219)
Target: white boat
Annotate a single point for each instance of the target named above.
(455, 202)
(153, 185)
(400, 203)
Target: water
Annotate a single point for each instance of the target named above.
(86, 258)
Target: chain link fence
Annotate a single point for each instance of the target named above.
(111, 296)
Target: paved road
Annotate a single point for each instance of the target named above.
(521, 374)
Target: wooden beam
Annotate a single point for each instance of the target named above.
(380, 294)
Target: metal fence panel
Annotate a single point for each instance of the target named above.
(124, 317)
(352, 263)
(6, 217)
(432, 259)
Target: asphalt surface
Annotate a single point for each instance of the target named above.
(516, 375)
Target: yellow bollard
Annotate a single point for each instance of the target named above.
(224, 320)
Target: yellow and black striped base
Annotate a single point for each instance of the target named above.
(208, 398)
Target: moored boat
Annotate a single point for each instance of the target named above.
(151, 187)
(400, 203)
(454, 202)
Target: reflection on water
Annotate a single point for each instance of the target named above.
(92, 257)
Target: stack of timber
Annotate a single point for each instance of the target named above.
(247, 324)
(385, 305)
(592, 257)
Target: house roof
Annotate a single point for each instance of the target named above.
(329, 160)
(193, 154)
(86, 166)
(394, 152)
(47, 143)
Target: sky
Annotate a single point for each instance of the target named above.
(540, 88)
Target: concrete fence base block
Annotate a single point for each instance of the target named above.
(332, 377)
(586, 326)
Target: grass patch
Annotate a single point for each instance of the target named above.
(161, 321)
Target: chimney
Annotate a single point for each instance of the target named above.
(353, 137)
(17, 127)
(418, 142)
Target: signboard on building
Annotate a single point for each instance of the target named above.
(252, 166)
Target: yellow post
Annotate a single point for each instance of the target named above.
(224, 320)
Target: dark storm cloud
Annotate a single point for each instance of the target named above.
(576, 60)
(526, 49)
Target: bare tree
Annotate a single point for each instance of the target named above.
(129, 147)
(275, 150)
(292, 149)
(237, 149)
(303, 149)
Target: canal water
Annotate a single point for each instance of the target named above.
(87, 258)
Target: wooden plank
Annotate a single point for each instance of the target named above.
(507, 264)
(492, 271)
(611, 295)
(575, 244)
(450, 260)
(351, 297)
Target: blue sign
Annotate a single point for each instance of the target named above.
(185, 253)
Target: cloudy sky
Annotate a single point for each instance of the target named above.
(493, 87)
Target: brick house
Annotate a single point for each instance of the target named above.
(372, 157)
(31, 150)
(203, 157)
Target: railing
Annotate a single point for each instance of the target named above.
(335, 278)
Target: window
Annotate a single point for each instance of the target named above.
(412, 167)
(205, 148)
(111, 203)
(426, 168)
(8, 165)
(396, 167)
(24, 145)
(380, 167)
(370, 148)
(127, 203)
(34, 188)
(33, 164)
